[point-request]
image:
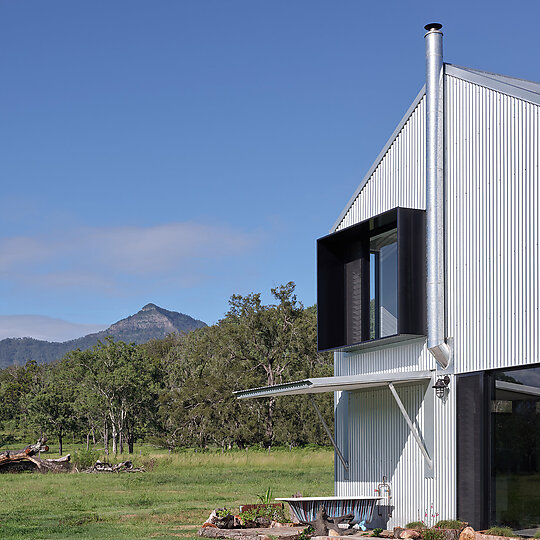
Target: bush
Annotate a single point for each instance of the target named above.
(537, 535)
(433, 534)
(449, 524)
(415, 525)
(266, 511)
(307, 533)
(500, 531)
(377, 532)
(83, 459)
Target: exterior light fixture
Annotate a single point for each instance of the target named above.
(441, 385)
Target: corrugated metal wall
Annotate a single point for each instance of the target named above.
(400, 177)
(380, 444)
(410, 356)
(493, 227)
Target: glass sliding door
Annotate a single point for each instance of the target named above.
(515, 451)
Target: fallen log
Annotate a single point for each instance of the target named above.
(26, 459)
(103, 467)
(323, 524)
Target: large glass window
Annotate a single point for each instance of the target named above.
(515, 470)
(383, 293)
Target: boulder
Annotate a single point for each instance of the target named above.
(468, 533)
(406, 533)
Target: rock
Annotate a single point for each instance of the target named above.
(467, 533)
(406, 533)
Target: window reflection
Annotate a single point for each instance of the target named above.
(383, 284)
(515, 413)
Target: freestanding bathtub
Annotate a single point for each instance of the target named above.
(305, 508)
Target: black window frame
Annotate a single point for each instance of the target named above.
(343, 278)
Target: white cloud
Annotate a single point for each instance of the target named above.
(46, 328)
(110, 259)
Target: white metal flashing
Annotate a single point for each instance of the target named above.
(333, 384)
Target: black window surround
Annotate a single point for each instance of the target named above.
(343, 281)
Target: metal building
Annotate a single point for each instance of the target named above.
(428, 292)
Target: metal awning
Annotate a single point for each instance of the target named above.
(354, 382)
(516, 391)
(333, 384)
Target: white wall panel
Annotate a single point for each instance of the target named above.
(399, 178)
(380, 444)
(410, 356)
(493, 225)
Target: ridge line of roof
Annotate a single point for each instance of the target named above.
(381, 155)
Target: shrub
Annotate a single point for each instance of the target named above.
(307, 533)
(500, 531)
(537, 535)
(433, 534)
(377, 532)
(266, 511)
(415, 525)
(83, 459)
(449, 524)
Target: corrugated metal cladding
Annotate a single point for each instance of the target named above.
(399, 179)
(380, 444)
(409, 356)
(493, 227)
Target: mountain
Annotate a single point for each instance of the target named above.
(151, 322)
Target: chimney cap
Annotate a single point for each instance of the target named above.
(433, 26)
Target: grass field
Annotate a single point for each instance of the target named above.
(170, 500)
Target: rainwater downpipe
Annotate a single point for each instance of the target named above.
(435, 196)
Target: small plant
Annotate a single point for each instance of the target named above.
(266, 498)
(433, 534)
(500, 531)
(267, 511)
(415, 525)
(449, 524)
(307, 533)
(223, 512)
(377, 532)
(83, 459)
(537, 535)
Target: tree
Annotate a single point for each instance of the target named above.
(52, 407)
(123, 382)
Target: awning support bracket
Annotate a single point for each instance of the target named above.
(413, 429)
(329, 433)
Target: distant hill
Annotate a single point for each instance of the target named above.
(151, 322)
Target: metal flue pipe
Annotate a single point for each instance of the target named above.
(435, 196)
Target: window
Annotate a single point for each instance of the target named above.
(383, 294)
(371, 281)
(515, 473)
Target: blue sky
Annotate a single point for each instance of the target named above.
(177, 152)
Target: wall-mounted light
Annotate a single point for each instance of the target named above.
(441, 385)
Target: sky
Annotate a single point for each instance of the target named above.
(178, 152)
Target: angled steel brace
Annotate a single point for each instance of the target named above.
(413, 429)
(329, 433)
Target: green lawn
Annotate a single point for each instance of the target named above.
(170, 500)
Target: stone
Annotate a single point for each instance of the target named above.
(467, 533)
(409, 533)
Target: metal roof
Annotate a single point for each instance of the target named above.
(519, 88)
(333, 384)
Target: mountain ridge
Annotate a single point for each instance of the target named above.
(151, 322)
